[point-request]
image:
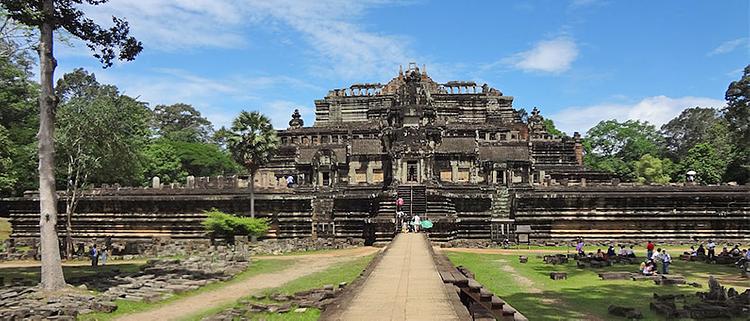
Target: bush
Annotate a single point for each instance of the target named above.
(221, 224)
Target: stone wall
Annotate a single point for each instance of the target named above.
(635, 213)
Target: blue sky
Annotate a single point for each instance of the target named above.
(579, 61)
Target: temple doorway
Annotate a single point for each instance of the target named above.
(411, 171)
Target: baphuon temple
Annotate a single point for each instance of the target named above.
(457, 153)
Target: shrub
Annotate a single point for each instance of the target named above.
(221, 224)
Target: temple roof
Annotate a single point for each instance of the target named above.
(504, 153)
(457, 145)
(366, 147)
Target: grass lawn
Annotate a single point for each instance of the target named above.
(583, 296)
(341, 272)
(126, 307)
(71, 272)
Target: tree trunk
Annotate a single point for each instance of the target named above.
(252, 194)
(52, 274)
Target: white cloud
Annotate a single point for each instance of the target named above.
(554, 56)
(330, 28)
(656, 110)
(728, 46)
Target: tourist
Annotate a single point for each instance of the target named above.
(735, 251)
(611, 251)
(657, 256)
(399, 203)
(724, 252)
(599, 255)
(103, 256)
(701, 251)
(417, 222)
(649, 268)
(622, 251)
(289, 181)
(94, 254)
(579, 247)
(666, 261)
(711, 250)
(691, 252)
(629, 252)
(649, 250)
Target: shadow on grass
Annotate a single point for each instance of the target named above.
(102, 276)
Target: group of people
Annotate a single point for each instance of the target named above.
(99, 256)
(411, 224)
(605, 256)
(653, 260)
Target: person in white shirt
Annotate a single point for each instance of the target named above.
(417, 222)
(711, 249)
(622, 251)
(666, 261)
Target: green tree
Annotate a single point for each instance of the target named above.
(181, 122)
(706, 162)
(253, 143)
(108, 44)
(7, 179)
(161, 159)
(18, 117)
(650, 169)
(737, 115)
(100, 137)
(614, 146)
(204, 159)
(694, 126)
(549, 125)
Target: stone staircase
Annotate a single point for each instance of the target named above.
(415, 199)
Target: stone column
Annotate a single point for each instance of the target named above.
(155, 182)
(353, 166)
(369, 173)
(454, 171)
(420, 170)
(190, 183)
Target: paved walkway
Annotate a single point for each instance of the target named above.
(405, 285)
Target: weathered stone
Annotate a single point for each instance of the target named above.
(627, 312)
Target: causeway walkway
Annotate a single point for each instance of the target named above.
(405, 285)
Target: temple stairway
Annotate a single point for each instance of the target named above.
(415, 200)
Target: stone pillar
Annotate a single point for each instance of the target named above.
(420, 170)
(369, 172)
(155, 182)
(454, 171)
(353, 167)
(320, 179)
(190, 182)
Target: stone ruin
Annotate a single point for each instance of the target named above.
(717, 303)
(456, 152)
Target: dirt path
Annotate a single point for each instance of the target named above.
(226, 295)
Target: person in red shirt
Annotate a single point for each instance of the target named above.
(649, 250)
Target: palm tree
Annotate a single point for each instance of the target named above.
(253, 142)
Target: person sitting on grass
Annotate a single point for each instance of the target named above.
(701, 251)
(599, 255)
(735, 251)
(611, 251)
(629, 252)
(622, 251)
(724, 252)
(650, 268)
(691, 251)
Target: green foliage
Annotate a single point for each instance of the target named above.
(737, 115)
(18, 118)
(549, 125)
(100, 132)
(181, 122)
(253, 141)
(694, 126)
(615, 147)
(650, 169)
(204, 159)
(161, 159)
(227, 225)
(706, 162)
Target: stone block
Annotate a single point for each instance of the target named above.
(558, 275)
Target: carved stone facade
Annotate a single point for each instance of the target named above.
(414, 130)
(456, 153)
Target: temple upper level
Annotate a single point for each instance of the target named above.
(413, 95)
